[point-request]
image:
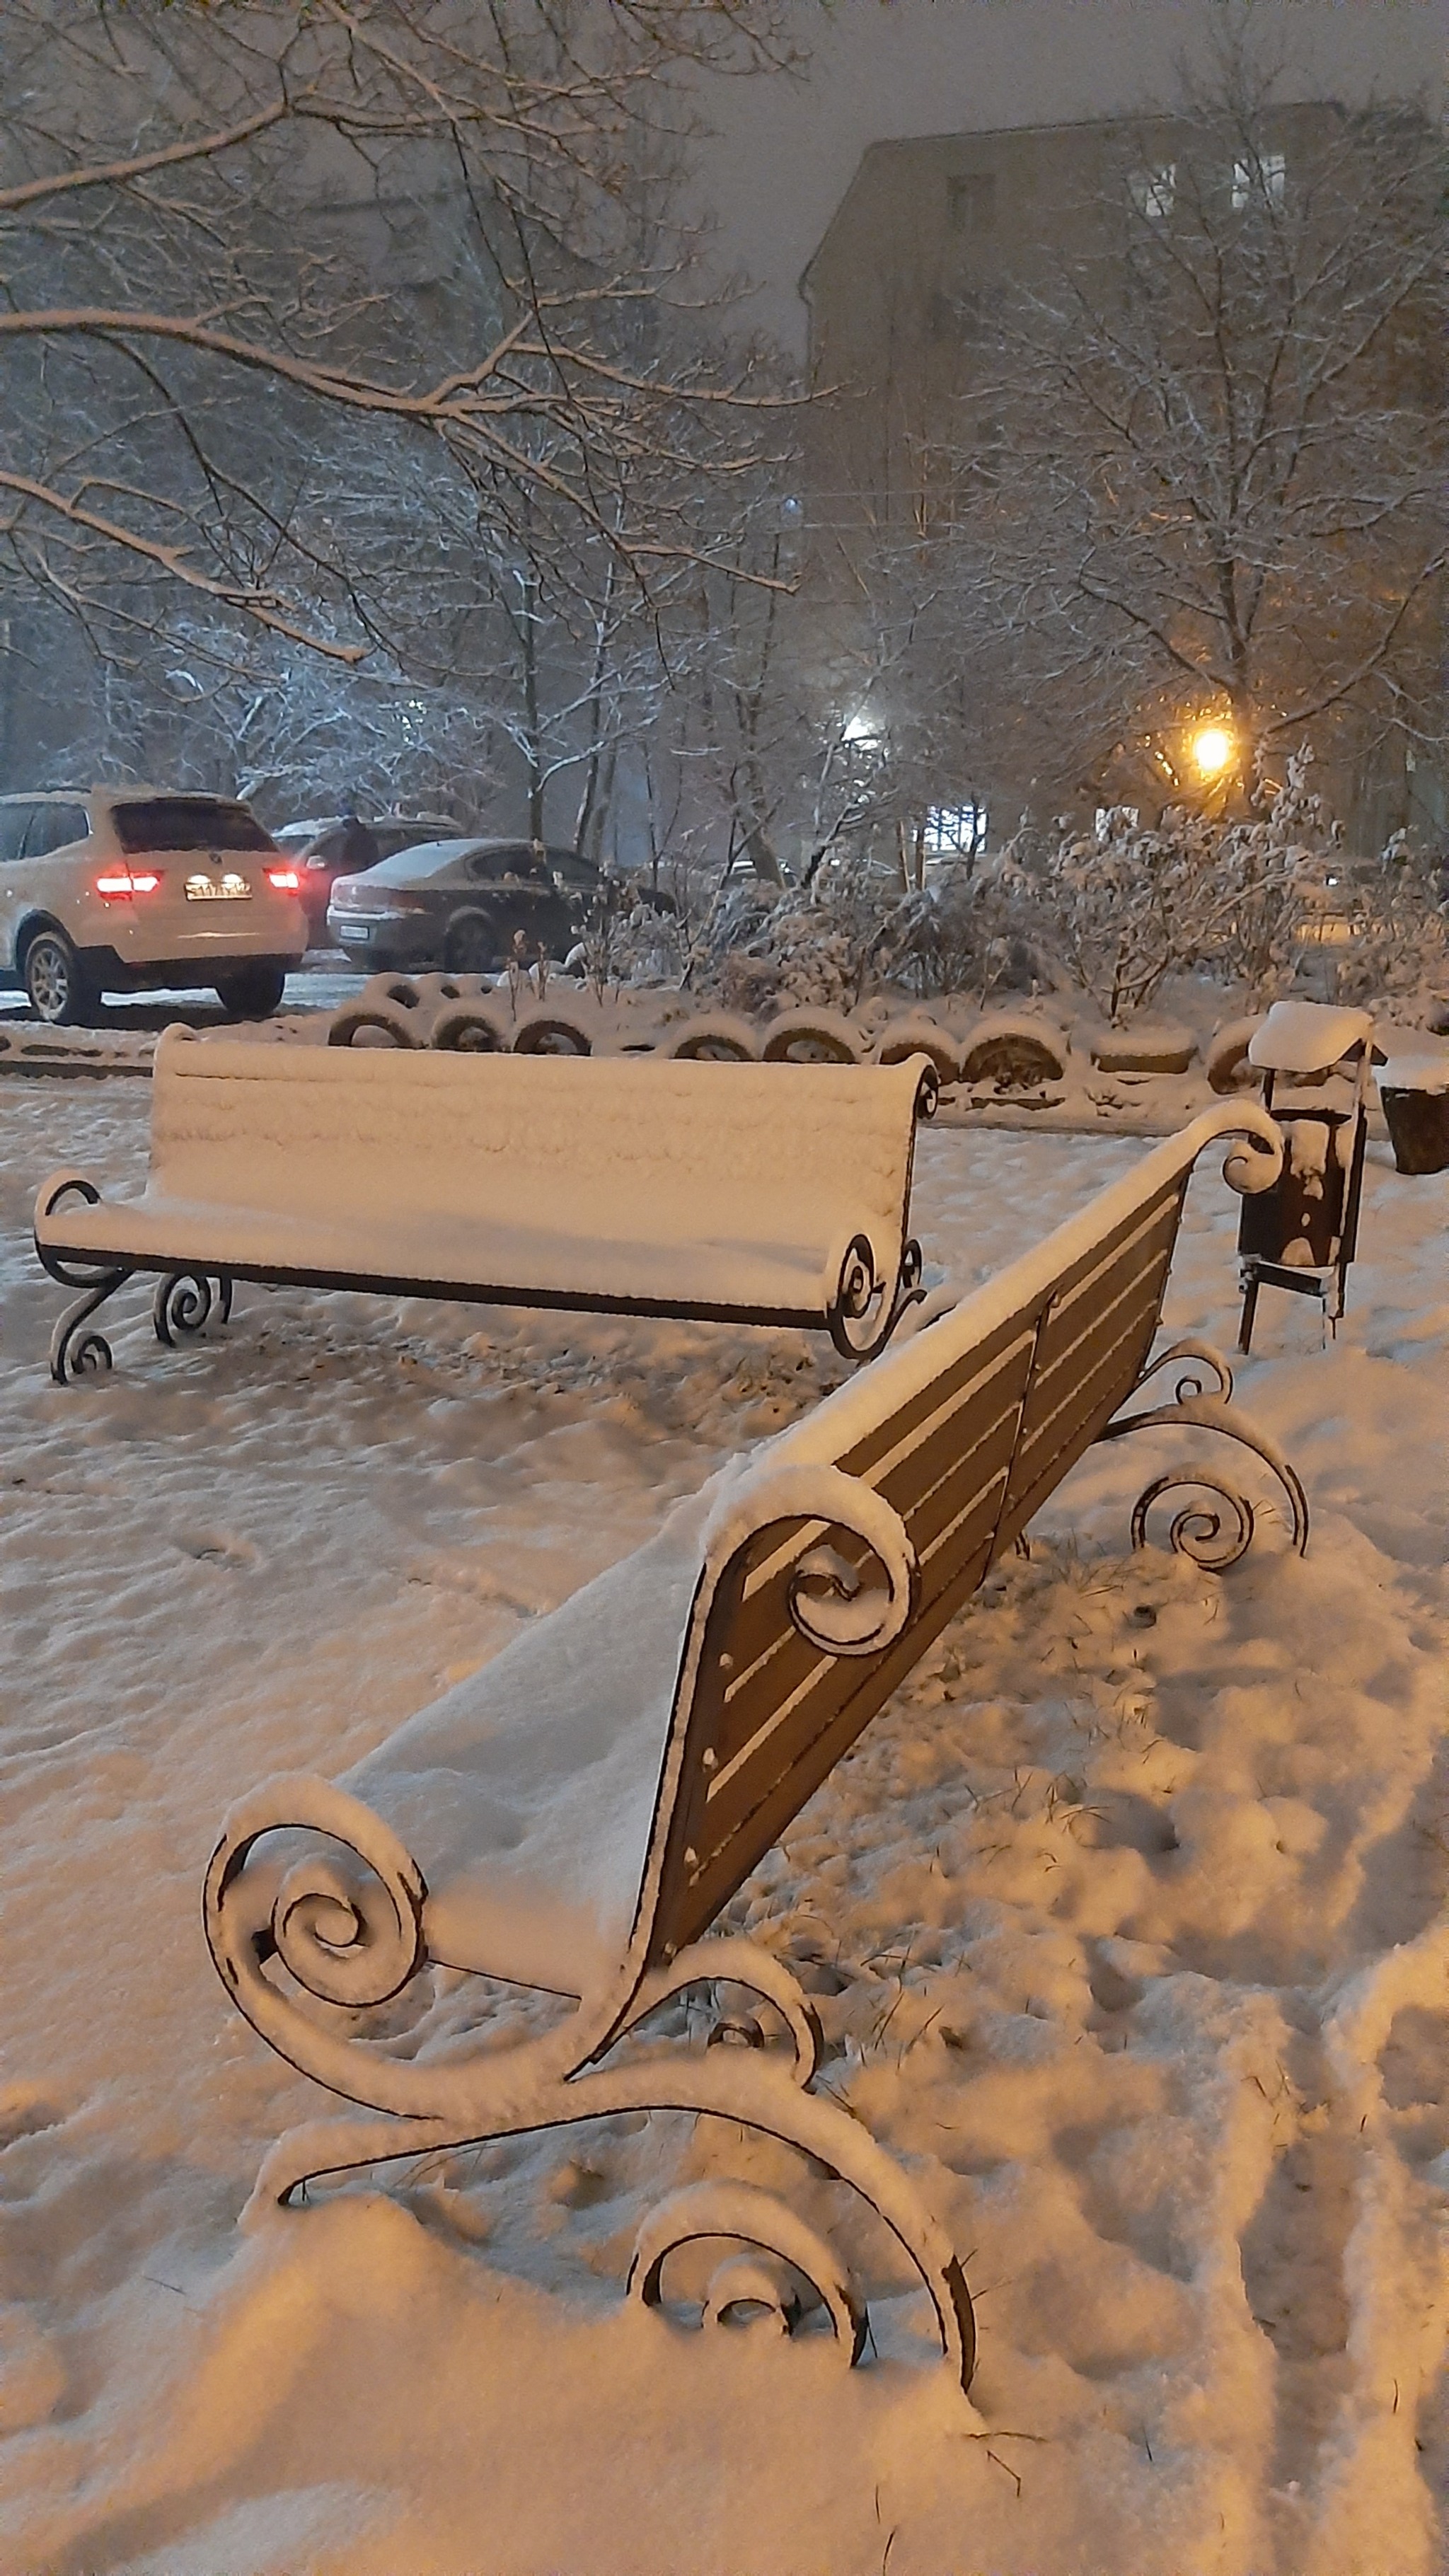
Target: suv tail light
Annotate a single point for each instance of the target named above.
(120, 884)
(285, 880)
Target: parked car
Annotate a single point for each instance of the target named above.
(458, 904)
(124, 890)
(320, 849)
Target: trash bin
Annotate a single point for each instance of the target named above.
(1415, 1095)
(1302, 1233)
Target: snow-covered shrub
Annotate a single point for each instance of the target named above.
(1399, 950)
(1127, 905)
(630, 940)
(826, 945)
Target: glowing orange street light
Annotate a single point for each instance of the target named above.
(1212, 749)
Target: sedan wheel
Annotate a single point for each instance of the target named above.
(251, 992)
(473, 946)
(59, 989)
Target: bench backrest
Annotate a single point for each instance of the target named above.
(698, 1153)
(964, 1430)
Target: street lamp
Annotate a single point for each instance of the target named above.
(1212, 749)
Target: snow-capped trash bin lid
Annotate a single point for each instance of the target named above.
(1304, 1037)
(1415, 1072)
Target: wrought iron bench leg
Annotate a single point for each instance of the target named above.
(74, 1352)
(1200, 1534)
(759, 2088)
(1251, 1285)
(863, 1316)
(183, 1304)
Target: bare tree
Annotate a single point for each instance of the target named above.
(258, 264)
(1220, 491)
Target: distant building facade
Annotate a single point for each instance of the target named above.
(933, 240)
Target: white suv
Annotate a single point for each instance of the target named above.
(123, 890)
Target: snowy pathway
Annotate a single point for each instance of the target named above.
(1126, 1919)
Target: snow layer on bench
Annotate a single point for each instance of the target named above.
(527, 1792)
(730, 1184)
(473, 1255)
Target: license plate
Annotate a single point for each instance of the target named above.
(229, 888)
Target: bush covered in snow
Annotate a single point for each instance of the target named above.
(1118, 911)
(854, 932)
(1253, 902)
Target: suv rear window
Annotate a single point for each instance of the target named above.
(187, 823)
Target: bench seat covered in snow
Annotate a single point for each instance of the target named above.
(759, 1194)
(573, 1817)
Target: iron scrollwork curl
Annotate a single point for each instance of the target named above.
(75, 1352)
(830, 1603)
(346, 1921)
(865, 1309)
(1202, 1533)
(1198, 1531)
(183, 1304)
(741, 2215)
(1203, 1371)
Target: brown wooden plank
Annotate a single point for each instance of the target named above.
(1149, 1246)
(968, 1458)
(1101, 1255)
(979, 1361)
(1104, 1358)
(1050, 1446)
(914, 1466)
(1079, 1408)
(963, 1480)
(966, 1463)
(692, 1895)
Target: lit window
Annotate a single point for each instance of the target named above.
(1154, 190)
(955, 831)
(1266, 178)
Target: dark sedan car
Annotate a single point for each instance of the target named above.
(320, 849)
(455, 904)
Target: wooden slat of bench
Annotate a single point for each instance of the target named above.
(694, 1889)
(1094, 1343)
(966, 1463)
(921, 1474)
(799, 1693)
(781, 1712)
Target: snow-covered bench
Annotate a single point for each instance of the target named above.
(573, 1817)
(760, 1194)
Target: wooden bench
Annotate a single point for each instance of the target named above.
(743, 1193)
(573, 1817)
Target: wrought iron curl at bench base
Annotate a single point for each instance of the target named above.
(183, 1302)
(866, 1308)
(74, 1352)
(322, 1908)
(1199, 1532)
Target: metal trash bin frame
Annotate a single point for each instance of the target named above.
(1302, 1046)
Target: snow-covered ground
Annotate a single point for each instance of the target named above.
(1126, 1920)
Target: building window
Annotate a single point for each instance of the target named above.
(1153, 191)
(1265, 178)
(955, 831)
(971, 202)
